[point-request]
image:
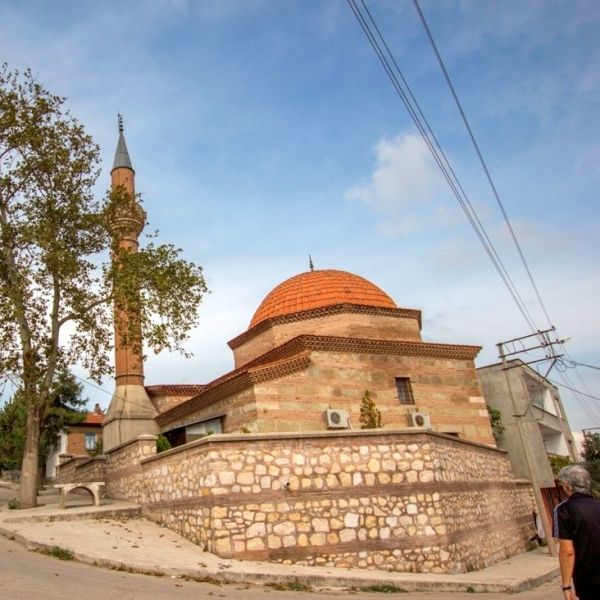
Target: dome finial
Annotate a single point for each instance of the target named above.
(120, 119)
(310, 263)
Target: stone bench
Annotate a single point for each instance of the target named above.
(92, 487)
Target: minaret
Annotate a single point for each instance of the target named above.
(131, 412)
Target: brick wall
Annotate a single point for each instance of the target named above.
(239, 408)
(447, 389)
(76, 438)
(344, 324)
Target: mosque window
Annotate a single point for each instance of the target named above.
(405, 394)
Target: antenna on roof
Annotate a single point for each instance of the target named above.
(310, 263)
(120, 119)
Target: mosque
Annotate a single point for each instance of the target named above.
(269, 461)
(315, 345)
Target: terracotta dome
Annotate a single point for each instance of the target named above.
(317, 289)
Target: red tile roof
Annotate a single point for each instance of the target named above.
(317, 289)
(93, 418)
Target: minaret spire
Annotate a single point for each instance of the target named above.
(122, 160)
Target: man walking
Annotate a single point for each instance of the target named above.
(577, 527)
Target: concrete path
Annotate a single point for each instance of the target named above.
(114, 536)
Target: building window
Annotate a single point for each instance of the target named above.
(404, 390)
(90, 441)
(204, 428)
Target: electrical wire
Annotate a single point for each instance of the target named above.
(481, 160)
(424, 128)
(440, 158)
(575, 364)
(490, 180)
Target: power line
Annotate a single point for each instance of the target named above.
(481, 160)
(575, 364)
(438, 155)
(430, 139)
(490, 180)
(111, 394)
(574, 389)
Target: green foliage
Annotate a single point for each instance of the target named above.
(294, 586)
(557, 462)
(154, 283)
(64, 409)
(162, 444)
(383, 588)
(58, 552)
(591, 446)
(55, 259)
(13, 417)
(370, 417)
(14, 504)
(591, 454)
(496, 421)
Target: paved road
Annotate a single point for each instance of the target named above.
(27, 575)
(6, 493)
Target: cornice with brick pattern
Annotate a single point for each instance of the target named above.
(402, 313)
(184, 389)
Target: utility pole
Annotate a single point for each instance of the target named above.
(543, 341)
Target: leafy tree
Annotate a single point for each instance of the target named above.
(57, 283)
(65, 408)
(13, 417)
(370, 417)
(591, 454)
(557, 462)
(591, 447)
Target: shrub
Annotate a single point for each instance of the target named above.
(370, 417)
(162, 444)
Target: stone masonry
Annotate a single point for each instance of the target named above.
(400, 500)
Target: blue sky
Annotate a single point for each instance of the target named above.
(262, 131)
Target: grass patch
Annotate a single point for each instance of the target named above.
(383, 588)
(57, 552)
(14, 504)
(203, 579)
(294, 586)
(471, 590)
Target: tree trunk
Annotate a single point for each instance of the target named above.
(28, 487)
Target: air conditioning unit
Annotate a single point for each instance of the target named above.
(337, 419)
(419, 419)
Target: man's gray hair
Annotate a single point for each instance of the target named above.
(577, 477)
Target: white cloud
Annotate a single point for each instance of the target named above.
(404, 178)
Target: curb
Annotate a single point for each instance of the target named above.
(130, 512)
(356, 580)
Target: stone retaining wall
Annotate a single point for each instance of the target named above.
(82, 469)
(398, 500)
(125, 477)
